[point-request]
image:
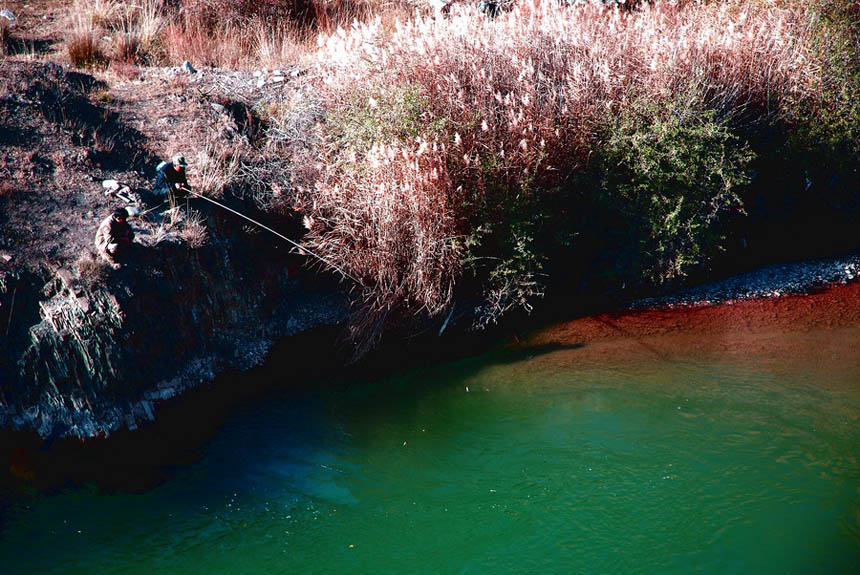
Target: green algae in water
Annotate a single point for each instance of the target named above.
(547, 464)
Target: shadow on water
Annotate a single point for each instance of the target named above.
(136, 461)
(302, 375)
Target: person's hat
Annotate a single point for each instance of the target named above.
(180, 161)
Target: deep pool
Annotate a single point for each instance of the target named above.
(512, 462)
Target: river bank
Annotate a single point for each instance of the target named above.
(729, 316)
(716, 319)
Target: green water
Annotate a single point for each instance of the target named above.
(552, 463)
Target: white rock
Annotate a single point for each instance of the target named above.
(110, 185)
(276, 79)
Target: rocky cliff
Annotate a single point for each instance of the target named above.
(85, 350)
(85, 360)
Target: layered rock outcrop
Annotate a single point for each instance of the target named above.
(98, 358)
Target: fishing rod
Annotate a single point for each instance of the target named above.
(144, 212)
(280, 235)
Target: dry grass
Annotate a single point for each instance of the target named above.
(92, 269)
(194, 231)
(217, 168)
(124, 70)
(280, 46)
(257, 34)
(191, 39)
(99, 13)
(134, 28)
(127, 48)
(508, 106)
(83, 46)
(225, 34)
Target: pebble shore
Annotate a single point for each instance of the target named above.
(768, 282)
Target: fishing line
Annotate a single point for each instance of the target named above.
(280, 235)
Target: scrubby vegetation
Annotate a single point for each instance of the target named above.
(474, 148)
(476, 158)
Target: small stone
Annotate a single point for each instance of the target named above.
(6, 257)
(217, 107)
(258, 73)
(276, 79)
(277, 73)
(188, 68)
(111, 185)
(261, 82)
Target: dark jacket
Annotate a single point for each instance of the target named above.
(167, 176)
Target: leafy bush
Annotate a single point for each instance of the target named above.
(670, 169)
(827, 122)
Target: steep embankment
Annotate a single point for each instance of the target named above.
(88, 350)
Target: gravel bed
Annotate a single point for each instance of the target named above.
(771, 281)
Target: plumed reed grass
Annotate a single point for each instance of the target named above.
(508, 107)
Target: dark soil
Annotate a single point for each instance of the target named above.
(58, 144)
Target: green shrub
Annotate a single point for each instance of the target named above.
(670, 170)
(827, 122)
